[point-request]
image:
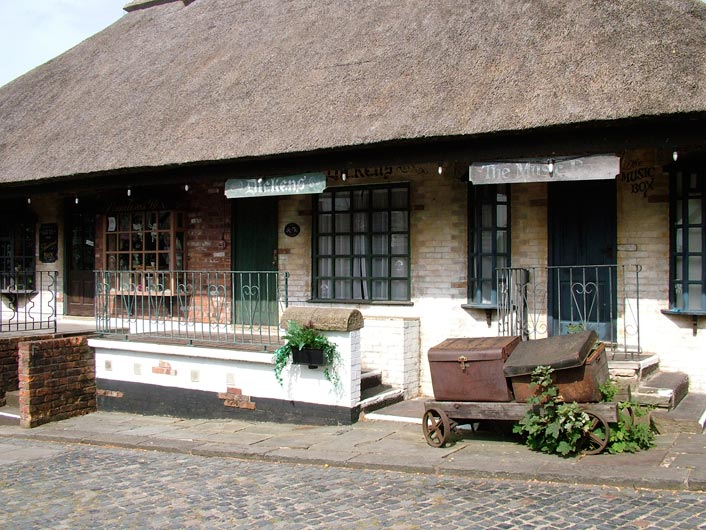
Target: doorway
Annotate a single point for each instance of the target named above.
(255, 261)
(80, 263)
(582, 242)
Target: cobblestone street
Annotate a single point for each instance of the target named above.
(51, 485)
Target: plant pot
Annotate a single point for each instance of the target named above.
(313, 357)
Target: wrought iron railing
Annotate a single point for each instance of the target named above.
(28, 301)
(536, 302)
(237, 307)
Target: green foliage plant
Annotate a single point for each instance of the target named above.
(299, 337)
(633, 432)
(550, 425)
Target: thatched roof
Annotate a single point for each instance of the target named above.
(225, 79)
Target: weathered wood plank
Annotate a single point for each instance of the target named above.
(480, 410)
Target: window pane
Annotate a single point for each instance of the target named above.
(678, 240)
(343, 245)
(342, 202)
(501, 243)
(399, 198)
(380, 244)
(380, 267)
(360, 222)
(380, 289)
(399, 268)
(165, 220)
(325, 289)
(399, 221)
(502, 216)
(325, 202)
(695, 297)
(486, 292)
(486, 245)
(343, 267)
(399, 244)
(694, 211)
(361, 199)
(124, 223)
(486, 216)
(360, 268)
(400, 290)
(343, 222)
(325, 245)
(360, 245)
(379, 199)
(678, 209)
(325, 224)
(694, 268)
(380, 222)
(694, 239)
(344, 289)
(486, 267)
(325, 268)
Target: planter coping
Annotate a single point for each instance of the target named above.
(323, 318)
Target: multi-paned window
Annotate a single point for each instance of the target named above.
(687, 242)
(489, 241)
(150, 240)
(17, 249)
(361, 244)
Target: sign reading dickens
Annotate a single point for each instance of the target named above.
(598, 167)
(290, 185)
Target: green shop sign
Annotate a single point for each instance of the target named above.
(264, 187)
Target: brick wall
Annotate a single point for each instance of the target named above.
(208, 230)
(57, 380)
(8, 364)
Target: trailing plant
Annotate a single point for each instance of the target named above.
(608, 390)
(633, 431)
(550, 425)
(300, 337)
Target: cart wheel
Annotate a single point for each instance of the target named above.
(436, 427)
(598, 435)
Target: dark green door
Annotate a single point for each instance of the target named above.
(255, 261)
(582, 240)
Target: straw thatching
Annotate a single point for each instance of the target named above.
(226, 79)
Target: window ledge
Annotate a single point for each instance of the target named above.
(693, 313)
(486, 307)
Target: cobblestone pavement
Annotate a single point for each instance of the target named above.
(52, 485)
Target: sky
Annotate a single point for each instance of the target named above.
(35, 31)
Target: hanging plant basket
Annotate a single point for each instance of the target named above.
(313, 357)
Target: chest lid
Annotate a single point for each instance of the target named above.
(562, 352)
(473, 349)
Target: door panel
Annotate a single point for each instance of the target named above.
(80, 255)
(582, 232)
(255, 250)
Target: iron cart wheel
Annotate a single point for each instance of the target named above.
(436, 427)
(598, 435)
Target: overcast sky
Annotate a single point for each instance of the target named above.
(34, 31)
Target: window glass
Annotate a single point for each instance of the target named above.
(488, 241)
(687, 279)
(370, 234)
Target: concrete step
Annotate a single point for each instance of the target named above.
(662, 389)
(12, 399)
(688, 416)
(379, 397)
(370, 379)
(9, 415)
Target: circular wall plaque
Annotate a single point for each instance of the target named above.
(292, 229)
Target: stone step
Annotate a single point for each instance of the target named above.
(370, 379)
(662, 389)
(12, 399)
(9, 415)
(378, 397)
(688, 416)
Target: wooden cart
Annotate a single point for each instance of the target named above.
(442, 417)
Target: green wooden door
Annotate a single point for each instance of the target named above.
(255, 261)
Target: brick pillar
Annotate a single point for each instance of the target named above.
(57, 380)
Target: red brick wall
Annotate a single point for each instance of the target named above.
(8, 365)
(57, 380)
